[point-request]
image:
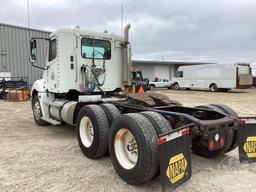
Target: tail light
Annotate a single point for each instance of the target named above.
(222, 141)
(211, 144)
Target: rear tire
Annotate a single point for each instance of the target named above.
(229, 111)
(160, 124)
(133, 148)
(92, 131)
(37, 111)
(111, 111)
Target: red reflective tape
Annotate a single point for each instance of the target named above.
(161, 141)
(242, 122)
(185, 132)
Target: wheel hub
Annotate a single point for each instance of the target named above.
(37, 110)
(132, 146)
(86, 131)
(126, 148)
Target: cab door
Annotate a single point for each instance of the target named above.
(52, 65)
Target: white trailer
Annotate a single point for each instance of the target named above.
(214, 77)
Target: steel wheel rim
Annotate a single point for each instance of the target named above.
(86, 131)
(213, 88)
(37, 110)
(126, 148)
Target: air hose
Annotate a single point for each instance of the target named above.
(91, 81)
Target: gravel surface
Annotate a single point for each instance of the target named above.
(48, 158)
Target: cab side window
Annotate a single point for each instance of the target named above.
(180, 74)
(52, 49)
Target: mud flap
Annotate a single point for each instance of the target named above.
(247, 140)
(174, 158)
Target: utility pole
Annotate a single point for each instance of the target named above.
(28, 14)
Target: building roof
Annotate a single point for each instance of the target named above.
(168, 62)
(133, 61)
(26, 28)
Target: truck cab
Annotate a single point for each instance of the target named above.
(71, 53)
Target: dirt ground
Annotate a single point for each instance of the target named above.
(49, 159)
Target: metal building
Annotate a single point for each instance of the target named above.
(160, 69)
(14, 52)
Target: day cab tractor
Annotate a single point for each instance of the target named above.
(82, 85)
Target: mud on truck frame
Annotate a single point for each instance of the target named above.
(83, 85)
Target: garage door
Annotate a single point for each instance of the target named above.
(147, 71)
(162, 71)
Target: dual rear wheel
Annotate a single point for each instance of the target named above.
(130, 139)
(133, 145)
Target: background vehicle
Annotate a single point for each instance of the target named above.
(214, 77)
(9, 84)
(138, 80)
(160, 83)
(82, 86)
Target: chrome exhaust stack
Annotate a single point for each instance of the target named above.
(126, 57)
(126, 33)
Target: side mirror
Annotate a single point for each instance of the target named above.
(33, 51)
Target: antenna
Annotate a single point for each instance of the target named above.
(122, 19)
(28, 18)
(28, 14)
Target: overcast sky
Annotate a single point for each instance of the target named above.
(180, 30)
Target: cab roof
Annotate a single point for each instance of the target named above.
(91, 34)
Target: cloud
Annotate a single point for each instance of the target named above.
(195, 30)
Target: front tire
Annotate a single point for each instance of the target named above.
(213, 87)
(37, 111)
(152, 87)
(133, 148)
(176, 86)
(92, 131)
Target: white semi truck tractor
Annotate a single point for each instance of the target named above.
(83, 85)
